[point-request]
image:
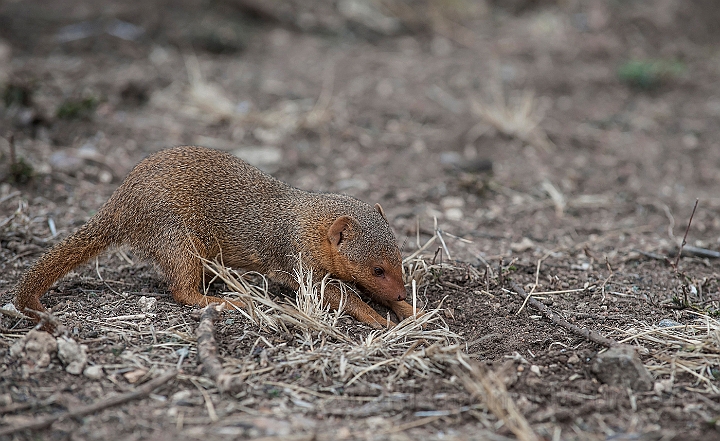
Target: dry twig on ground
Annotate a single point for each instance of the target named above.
(587, 333)
(140, 392)
(684, 241)
(207, 352)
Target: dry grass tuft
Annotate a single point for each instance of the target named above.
(490, 387)
(320, 345)
(693, 349)
(518, 116)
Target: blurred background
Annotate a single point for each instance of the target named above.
(558, 143)
(549, 120)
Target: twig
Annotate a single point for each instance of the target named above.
(10, 196)
(588, 334)
(602, 287)
(684, 241)
(411, 425)
(207, 352)
(700, 252)
(15, 407)
(139, 392)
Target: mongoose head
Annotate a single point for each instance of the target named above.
(366, 252)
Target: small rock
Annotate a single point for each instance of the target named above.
(573, 359)
(182, 395)
(66, 162)
(147, 304)
(524, 245)
(666, 323)
(72, 355)
(133, 377)
(5, 400)
(9, 307)
(94, 372)
(661, 386)
(367, 15)
(454, 214)
(37, 348)
(535, 370)
(621, 366)
(450, 158)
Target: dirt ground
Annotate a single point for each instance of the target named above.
(569, 136)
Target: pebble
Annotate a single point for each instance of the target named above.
(72, 355)
(454, 214)
(666, 323)
(621, 366)
(94, 372)
(37, 348)
(524, 245)
(147, 304)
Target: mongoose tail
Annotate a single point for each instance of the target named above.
(87, 242)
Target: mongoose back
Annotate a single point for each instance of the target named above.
(186, 203)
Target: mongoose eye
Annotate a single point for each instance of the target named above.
(378, 271)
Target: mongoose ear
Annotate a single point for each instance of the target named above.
(340, 230)
(379, 209)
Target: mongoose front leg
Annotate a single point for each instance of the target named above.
(354, 306)
(403, 309)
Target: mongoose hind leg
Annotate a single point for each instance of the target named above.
(354, 306)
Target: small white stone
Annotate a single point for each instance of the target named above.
(453, 214)
(524, 245)
(94, 372)
(5, 400)
(72, 355)
(181, 396)
(147, 304)
(10, 307)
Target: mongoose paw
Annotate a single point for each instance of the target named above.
(404, 310)
(385, 324)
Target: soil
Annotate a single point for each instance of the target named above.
(593, 183)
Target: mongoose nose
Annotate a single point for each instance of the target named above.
(402, 296)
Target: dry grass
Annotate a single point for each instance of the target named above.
(418, 347)
(324, 347)
(692, 349)
(518, 116)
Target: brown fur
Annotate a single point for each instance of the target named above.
(186, 202)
